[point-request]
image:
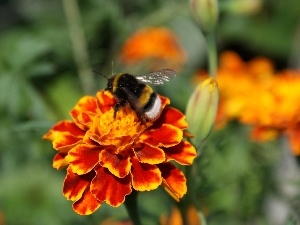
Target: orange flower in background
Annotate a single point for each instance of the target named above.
(239, 82)
(275, 109)
(157, 45)
(254, 94)
(107, 157)
(175, 217)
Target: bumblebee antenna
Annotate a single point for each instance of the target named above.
(112, 67)
(100, 74)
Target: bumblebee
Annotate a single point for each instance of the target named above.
(127, 88)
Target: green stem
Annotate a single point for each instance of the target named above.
(132, 208)
(190, 198)
(79, 45)
(212, 53)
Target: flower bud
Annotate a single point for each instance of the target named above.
(206, 13)
(202, 109)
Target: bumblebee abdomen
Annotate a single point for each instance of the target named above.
(147, 103)
(144, 93)
(152, 109)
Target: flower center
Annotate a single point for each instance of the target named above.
(120, 131)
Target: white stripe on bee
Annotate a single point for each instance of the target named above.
(155, 110)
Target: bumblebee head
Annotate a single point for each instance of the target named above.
(109, 86)
(109, 81)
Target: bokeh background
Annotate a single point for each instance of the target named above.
(48, 51)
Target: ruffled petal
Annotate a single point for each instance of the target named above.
(164, 101)
(118, 165)
(150, 155)
(65, 142)
(105, 101)
(172, 116)
(95, 133)
(64, 126)
(83, 158)
(109, 188)
(64, 136)
(167, 135)
(87, 204)
(75, 185)
(145, 177)
(174, 181)
(86, 105)
(85, 119)
(184, 153)
(59, 161)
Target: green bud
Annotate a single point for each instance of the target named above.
(206, 13)
(202, 109)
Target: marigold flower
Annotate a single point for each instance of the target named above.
(252, 93)
(107, 157)
(175, 217)
(157, 45)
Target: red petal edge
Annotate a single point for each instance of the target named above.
(109, 188)
(145, 177)
(75, 185)
(87, 204)
(174, 181)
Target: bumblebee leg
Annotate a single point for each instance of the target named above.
(118, 106)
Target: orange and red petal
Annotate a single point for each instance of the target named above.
(94, 132)
(164, 101)
(145, 177)
(64, 126)
(83, 158)
(75, 185)
(84, 105)
(85, 119)
(167, 135)
(87, 204)
(65, 142)
(109, 188)
(174, 181)
(105, 101)
(172, 116)
(184, 153)
(117, 164)
(64, 136)
(150, 155)
(59, 161)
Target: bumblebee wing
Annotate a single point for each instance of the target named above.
(132, 99)
(157, 77)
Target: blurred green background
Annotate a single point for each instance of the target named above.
(41, 80)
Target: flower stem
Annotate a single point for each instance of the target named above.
(190, 199)
(132, 208)
(212, 52)
(79, 45)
